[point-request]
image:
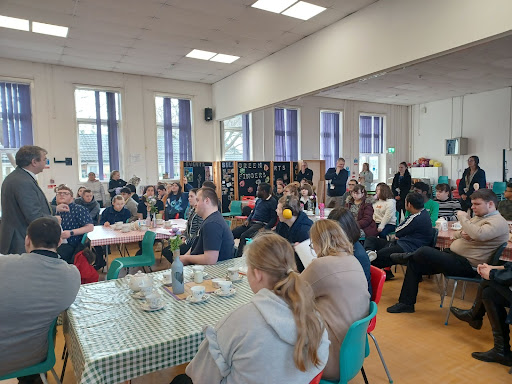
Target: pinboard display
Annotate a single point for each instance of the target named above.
(282, 170)
(250, 174)
(197, 172)
(296, 169)
(228, 183)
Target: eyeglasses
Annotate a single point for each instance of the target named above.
(63, 193)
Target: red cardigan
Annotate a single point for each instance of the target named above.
(87, 272)
(365, 219)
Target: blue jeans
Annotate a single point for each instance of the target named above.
(387, 230)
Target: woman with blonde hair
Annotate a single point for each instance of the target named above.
(279, 328)
(339, 285)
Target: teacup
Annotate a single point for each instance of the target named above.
(215, 282)
(146, 290)
(125, 227)
(118, 225)
(159, 222)
(167, 224)
(158, 216)
(225, 286)
(233, 274)
(154, 300)
(198, 292)
(143, 227)
(456, 226)
(167, 277)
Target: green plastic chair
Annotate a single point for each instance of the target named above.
(44, 366)
(235, 209)
(114, 269)
(442, 180)
(353, 349)
(499, 188)
(84, 238)
(147, 259)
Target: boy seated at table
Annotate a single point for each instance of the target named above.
(115, 213)
(505, 206)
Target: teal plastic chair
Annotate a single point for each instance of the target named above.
(499, 188)
(84, 238)
(44, 366)
(353, 349)
(228, 222)
(442, 180)
(114, 269)
(147, 259)
(235, 209)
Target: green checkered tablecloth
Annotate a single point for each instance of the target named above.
(111, 339)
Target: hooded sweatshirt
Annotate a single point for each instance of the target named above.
(252, 345)
(298, 232)
(93, 207)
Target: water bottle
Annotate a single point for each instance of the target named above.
(178, 285)
(321, 207)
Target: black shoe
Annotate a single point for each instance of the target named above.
(389, 275)
(493, 356)
(467, 316)
(400, 258)
(401, 308)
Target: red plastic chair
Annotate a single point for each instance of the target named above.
(317, 378)
(455, 192)
(377, 279)
(248, 198)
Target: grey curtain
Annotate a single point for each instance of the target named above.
(279, 135)
(365, 134)
(169, 150)
(246, 136)
(185, 130)
(16, 115)
(113, 142)
(99, 139)
(330, 138)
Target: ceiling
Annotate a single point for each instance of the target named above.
(152, 37)
(480, 68)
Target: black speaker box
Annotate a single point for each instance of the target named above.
(208, 114)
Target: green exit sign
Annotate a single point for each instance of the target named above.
(391, 150)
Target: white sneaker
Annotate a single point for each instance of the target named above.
(372, 255)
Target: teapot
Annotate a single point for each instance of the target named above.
(140, 279)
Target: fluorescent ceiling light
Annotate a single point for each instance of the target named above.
(14, 23)
(222, 58)
(303, 10)
(276, 6)
(202, 55)
(49, 29)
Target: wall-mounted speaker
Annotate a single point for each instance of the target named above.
(208, 114)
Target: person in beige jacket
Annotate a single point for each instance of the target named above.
(474, 244)
(339, 285)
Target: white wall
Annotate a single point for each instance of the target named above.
(394, 31)
(54, 120)
(484, 118)
(397, 129)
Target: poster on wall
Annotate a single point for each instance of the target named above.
(282, 170)
(227, 184)
(197, 172)
(250, 175)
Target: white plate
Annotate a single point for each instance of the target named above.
(191, 299)
(219, 292)
(147, 308)
(243, 270)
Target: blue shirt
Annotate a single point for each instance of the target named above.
(77, 217)
(265, 211)
(113, 216)
(215, 235)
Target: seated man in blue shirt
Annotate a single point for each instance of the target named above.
(412, 233)
(263, 215)
(76, 221)
(214, 241)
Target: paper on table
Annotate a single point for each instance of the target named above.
(305, 252)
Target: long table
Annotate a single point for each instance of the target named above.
(111, 339)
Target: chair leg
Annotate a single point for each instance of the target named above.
(64, 366)
(381, 358)
(463, 290)
(64, 351)
(55, 376)
(364, 375)
(451, 301)
(43, 377)
(443, 294)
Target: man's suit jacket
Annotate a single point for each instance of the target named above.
(23, 201)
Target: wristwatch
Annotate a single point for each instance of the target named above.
(71, 233)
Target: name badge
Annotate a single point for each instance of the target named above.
(332, 186)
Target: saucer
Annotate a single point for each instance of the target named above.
(240, 278)
(191, 299)
(147, 308)
(243, 270)
(138, 295)
(219, 292)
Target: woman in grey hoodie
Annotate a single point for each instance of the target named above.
(279, 328)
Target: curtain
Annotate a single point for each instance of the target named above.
(330, 138)
(168, 147)
(291, 135)
(279, 135)
(99, 139)
(185, 127)
(246, 136)
(16, 115)
(365, 134)
(378, 135)
(113, 143)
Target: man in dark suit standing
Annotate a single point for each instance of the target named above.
(23, 201)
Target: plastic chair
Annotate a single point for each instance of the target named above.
(499, 188)
(353, 349)
(147, 259)
(377, 279)
(455, 192)
(114, 269)
(235, 209)
(84, 238)
(245, 198)
(442, 180)
(228, 222)
(494, 261)
(44, 366)
(316, 379)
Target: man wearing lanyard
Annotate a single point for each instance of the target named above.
(338, 183)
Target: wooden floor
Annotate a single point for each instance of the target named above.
(418, 347)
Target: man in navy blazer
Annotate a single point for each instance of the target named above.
(23, 201)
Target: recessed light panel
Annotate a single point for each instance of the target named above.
(202, 55)
(49, 29)
(276, 6)
(303, 10)
(14, 23)
(222, 58)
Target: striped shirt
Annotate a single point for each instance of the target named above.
(448, 209)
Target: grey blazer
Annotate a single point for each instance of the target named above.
(23, 201)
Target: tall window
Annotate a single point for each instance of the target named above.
(98, 119)
(371, 143)
(286, 134)
(16, 123)
(174, 135)
(330, 137)
(236, 136)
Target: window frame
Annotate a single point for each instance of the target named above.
(222, 135)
